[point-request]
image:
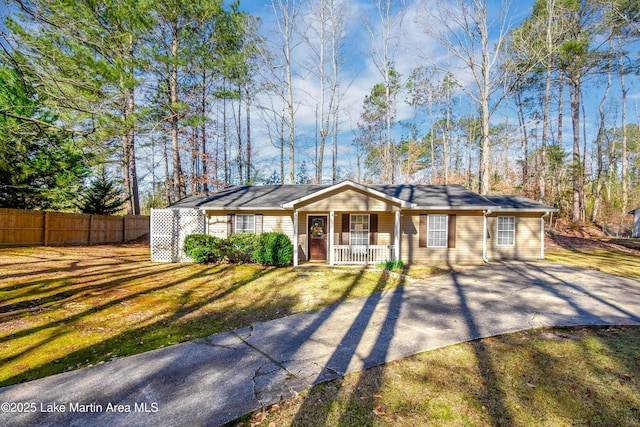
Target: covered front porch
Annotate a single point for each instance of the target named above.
(339, 238)
(347, 224)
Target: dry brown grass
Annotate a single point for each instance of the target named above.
(63, 308)
(549, 377)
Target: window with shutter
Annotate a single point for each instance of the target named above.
(359, 229)
(437, 231)
(245, 223)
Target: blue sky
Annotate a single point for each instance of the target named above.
(413, 48)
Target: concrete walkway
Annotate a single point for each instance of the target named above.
(215, 380)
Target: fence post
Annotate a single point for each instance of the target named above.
(124, 228)
(90, 229)
(46, 229)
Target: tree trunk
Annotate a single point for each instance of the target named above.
(524, 140)
(576, 172)
(599, 151)
(239, 136)
(282, 147)
(485, 178)
(131, 107)
(203, 136)
(547, 98)
(247, 115)
(168, 182)
(625, 183)
(178, 187)
(225, 144)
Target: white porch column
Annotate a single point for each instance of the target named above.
(295, 237)
(331, 237)
(396, 238)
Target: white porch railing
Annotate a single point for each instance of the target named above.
(361, 254)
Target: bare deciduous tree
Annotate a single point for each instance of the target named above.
(462, 27)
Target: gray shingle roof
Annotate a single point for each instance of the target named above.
(249, 196)
(421, 196)
(433, 196)
(517, 202)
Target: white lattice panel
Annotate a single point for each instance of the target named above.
(169, 228)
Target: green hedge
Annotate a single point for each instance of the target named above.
(204, 248)
(240, 247)
(267, 248)
(274, 249)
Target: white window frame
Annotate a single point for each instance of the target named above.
(352, 231)
(506, 233)
(431, 230)
(253, 218)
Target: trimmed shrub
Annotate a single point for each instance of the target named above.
(240, 247)
(204, 248)
(391, 265)
(274, 249)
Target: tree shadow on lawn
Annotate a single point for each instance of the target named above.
(140, 339)
(495, 394)
(80, 284)
(565, 376)
(609, 261)
(308, 414)
(70, 262)
(587, 394)
(601, 387)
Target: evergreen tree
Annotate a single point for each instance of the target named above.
(41, 167)
(102, 197)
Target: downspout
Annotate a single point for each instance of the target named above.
(484, 235)
(546, 214)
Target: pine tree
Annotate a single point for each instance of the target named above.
(102, 197)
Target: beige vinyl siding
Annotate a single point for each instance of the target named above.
(386, 223)
(527, 238)
(281, 221)
(468, 239)
(348, 200)
(277, 221)
(217, 224)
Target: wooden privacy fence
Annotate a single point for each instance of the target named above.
(35, 228)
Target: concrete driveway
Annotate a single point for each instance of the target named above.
(215, 380)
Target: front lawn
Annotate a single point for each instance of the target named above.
(544, 377)
(608, 261)
(548, 377)
(63, 308)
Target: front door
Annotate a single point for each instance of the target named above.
(318, 237)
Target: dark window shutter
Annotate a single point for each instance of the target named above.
(344, 236)
(231, 224)
(422, 233)
(373, 229)
(258, 223)
(451, 237)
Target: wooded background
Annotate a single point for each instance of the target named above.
(187, 97)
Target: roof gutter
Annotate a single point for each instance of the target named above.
(484, 234)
